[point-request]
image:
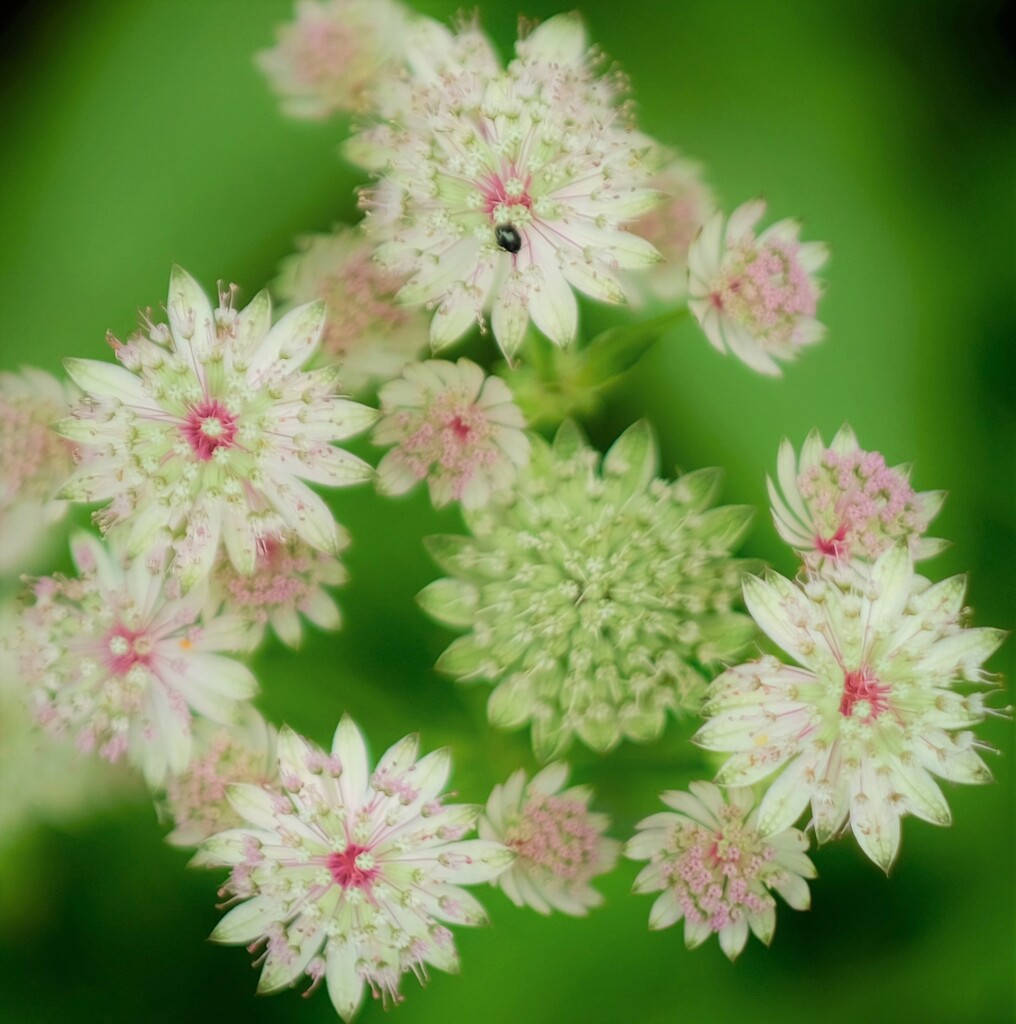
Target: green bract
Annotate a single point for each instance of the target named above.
(597, 599)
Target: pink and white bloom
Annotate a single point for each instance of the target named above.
(34, 462)
(334, 55)
(42, 777)
(367, 334)
(843, 505)
(559, 843)
(870, 713)
(685, 205)
(117, 662)
(502, 190)
(196, 799)
(204, 437)
(455, 428)
(755, 295)
(288, 582)
(716, 869)
(351, 875)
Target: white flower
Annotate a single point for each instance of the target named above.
(121, 665)
(715, 868)
(452, 426)
(34, 463)
(205, 435)
(334, 55)
(842, 505)
(672, 225)
(872, 714)
(288, 581)
(367, 334)
(350, 875)
(223, 755)
(755, 296)
(501, 189)
(42, 777)
(558, 842)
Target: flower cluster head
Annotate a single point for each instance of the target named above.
(504, 189)
(842, 505)
(558, 841)
(350, 875)
(119, 663)
(870, 713)
(367, 334)
(593, 596)
(685, 205)
(34, 462)
(755, 295)
(288, 582)
(205, 435)
(454, 427)
(197, 798)
(716, 869)
(41, 776)
(335, 55)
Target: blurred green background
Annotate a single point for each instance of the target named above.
(138, 135)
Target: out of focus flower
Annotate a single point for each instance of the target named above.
(334, 55)
(288, 581)
(755, 295)
(860, 729)
(367, 334)
(120, 665)
(503, 190)
(34, 463)
(590, 598)
(351, 875)
(672, 225)
(453, 427)
(715, 869)
(42, 777)
(558, 842)
(842, 505)
(196, 799)
(206, 434)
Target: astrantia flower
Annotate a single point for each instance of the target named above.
(558, 842)
(197, 798)
(287, 582)
(872, 712)
(206, 433)
(350, 875)
(334, 55)
(842, 504)
(715, 868)
(367, 334)
(42, 777)
(502, 190)
(453, 427)
(755, 295)
(593, 595)
(672, 225)
(34, 462)
(121, 666)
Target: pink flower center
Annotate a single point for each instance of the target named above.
(127, 648)
(555, 833)
(766, 289)
(860, 505)
(863, 694)
(834, 546)
(208, 427)
(353, 867)
(505, 190)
